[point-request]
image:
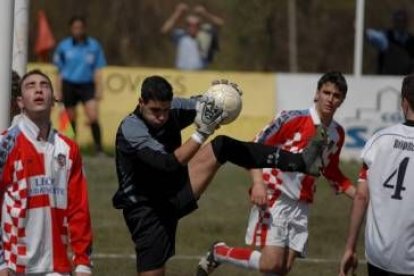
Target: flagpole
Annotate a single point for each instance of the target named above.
(6, 35)
(293, 42)
(359, 36)
(20, 41)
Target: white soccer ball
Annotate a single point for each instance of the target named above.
(228, 97)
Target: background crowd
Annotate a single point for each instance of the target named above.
(325, 35)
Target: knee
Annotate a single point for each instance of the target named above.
(273, 267)
(274, 270)
(93, 118)
(94, 123)
(288, 268)
(219, 140)
(218, 145)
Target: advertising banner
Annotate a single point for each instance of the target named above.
(122, 89)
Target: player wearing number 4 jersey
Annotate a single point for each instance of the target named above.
(386, 193)
(278, 222)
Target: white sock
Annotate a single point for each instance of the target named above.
(241, 257)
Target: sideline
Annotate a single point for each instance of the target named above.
(189, 257)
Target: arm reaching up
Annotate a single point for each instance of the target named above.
(203, 12)
(180, 9)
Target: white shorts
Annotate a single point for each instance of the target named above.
(285, 224)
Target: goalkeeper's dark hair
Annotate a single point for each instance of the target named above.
(336, 78)
(156, 88)
(407, 90)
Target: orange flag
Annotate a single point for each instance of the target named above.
(64, 125)
(45, 40)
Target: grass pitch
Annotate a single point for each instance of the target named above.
(222, 215)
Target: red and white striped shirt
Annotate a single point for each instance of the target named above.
(292, 131)
(44, 202)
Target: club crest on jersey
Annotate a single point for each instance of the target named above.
(61, 160)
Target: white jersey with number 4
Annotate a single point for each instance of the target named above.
(389, 169)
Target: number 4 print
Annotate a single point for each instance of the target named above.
(398, 188)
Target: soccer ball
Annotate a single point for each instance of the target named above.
(228, 97)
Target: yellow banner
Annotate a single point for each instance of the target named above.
(122, 90)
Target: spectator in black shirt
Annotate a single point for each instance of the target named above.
(395, 46)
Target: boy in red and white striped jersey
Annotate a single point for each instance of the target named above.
(44, 200)
(278, 222)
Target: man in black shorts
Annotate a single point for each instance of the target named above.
(161, 178)
(79, 59)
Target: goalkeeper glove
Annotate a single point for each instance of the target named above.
(208, 118)
(312, 154)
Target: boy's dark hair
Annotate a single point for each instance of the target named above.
(15, 87)
(34, 72)
(15, 92)
(336, 78)
(156, 88)
(77, 17)
(407, 90)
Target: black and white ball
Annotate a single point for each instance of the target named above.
(228, 97)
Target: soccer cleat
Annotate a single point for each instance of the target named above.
(312, 154)
(207, 263)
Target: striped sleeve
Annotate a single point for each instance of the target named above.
(276, 130)
(339, 182)
(79, 221)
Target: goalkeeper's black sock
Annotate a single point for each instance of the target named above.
(289, 161)
(254, 155)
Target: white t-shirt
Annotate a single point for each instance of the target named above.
(389, 233)
(188, 56)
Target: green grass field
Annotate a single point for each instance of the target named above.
(222, 216)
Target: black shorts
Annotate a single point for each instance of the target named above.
(153, 227)
(376, 271)
(73, 93)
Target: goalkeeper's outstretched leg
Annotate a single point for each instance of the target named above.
(221, 149)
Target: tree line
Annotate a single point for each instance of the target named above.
(254, 37)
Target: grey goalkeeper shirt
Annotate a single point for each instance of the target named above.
(147, 170)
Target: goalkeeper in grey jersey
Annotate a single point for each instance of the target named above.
(161, 178)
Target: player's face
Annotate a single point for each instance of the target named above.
(36, 100)
(327, 100)
(193, 28)
(155, 113)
